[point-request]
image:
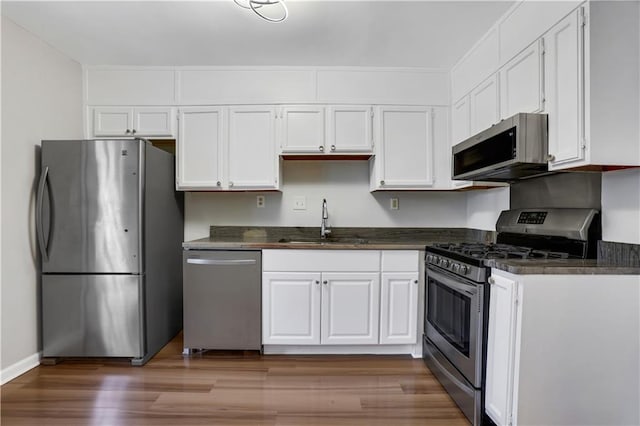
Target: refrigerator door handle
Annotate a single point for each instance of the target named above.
(39, 225)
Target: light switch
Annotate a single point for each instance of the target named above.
(394, 204)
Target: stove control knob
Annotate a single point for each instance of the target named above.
(455, 267)
(429, 258)
(464, 270)
(436, 260)
(444, 263)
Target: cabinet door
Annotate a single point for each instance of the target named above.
(154, 122)
(399, 307)
(564, 90)
(291, 308)
(303, 129)
(252, 158)
(199, 148)
(115, 121)
(460, 121)
(349, 129)
(404, 152)
(521, 82)
(350, 308)
(484, 105)
(501, 349)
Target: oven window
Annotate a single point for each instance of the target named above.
(449, 312)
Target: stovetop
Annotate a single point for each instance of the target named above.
(498, 251)
(467, 259)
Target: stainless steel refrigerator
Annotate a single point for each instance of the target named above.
(109, 227)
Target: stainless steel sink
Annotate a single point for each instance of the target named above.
(321, 241)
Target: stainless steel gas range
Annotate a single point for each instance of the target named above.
(457, 296)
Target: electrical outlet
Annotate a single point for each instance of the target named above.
(260, 201)
(394, 204)
(300, 202)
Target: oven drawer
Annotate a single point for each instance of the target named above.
(461, 391)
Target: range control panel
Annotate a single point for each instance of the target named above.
(532, 218)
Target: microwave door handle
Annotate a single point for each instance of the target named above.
(42, 243)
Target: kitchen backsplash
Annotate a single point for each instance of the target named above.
(619, 254)
(564, 190)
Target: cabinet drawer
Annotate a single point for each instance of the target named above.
(321, 260)
(400, 261)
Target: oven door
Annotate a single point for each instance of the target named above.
(454, 321)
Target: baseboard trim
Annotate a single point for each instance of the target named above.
(19, 368)
(339, 350)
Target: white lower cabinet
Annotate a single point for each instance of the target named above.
(563, 349)
(291, 308)
(340, 302)
(398, 307)
(349, 308)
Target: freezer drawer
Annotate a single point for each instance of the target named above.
(222, 300)
(91, 315)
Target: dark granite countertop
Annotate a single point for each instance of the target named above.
(244, 238)
(561, 267)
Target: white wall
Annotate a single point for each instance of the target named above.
(484, 207)
(345, 185)
(621, 206)
(41, 98)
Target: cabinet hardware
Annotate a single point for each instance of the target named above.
(491, 280)
(551, 157)
(325, 282)
(415, 281)
(218, 183)
(133, 131)
(230, 184)
(321, 148)
(333, 147)
(127, 131)
(381, 183)
(317, 282)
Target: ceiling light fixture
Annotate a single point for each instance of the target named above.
(264, 5)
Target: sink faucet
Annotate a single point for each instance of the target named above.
(324, 228)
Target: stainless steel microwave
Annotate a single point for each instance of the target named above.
(515, 148)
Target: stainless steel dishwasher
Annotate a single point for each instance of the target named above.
(222, 300)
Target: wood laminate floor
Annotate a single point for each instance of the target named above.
(230, 388)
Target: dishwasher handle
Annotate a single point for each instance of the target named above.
(227, 262)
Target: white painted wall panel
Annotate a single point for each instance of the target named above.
(345, 185)
(484, 207)
(41, 98)
(621, 206)
(400, 87)
(245, 86)
(130, 86)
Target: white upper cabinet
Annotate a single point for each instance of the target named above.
(521, 82)
(251, 155)
(346, 129)
(484, 105)
(199, 152)
(460, 120)
(350, 129)
(564, 79)
(303, 129)
(156, 122)
(404, 148)
(477, 65)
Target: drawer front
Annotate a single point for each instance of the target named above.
(321, 260)
(400, 261)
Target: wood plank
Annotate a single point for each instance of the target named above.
(230, 388)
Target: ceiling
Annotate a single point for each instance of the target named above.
(432, 34)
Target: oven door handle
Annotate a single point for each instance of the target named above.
(450, 281)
